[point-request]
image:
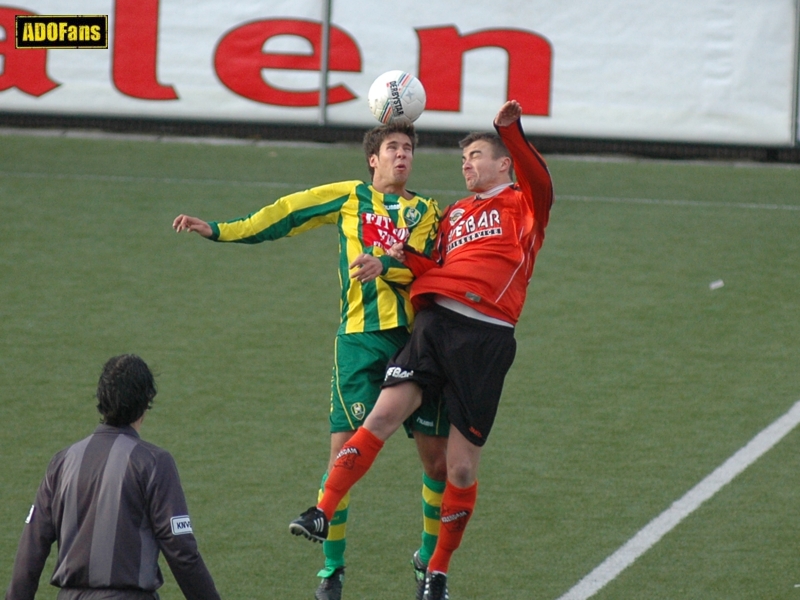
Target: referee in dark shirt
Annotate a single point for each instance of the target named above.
(112, 502)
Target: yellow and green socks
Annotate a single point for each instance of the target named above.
(335, 545)
(432, 491)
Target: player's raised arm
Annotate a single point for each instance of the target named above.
(187, 223)
(531, 170)
(510, 112)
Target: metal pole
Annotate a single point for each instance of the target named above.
(323, 67)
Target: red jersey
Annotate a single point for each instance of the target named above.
(486, 248)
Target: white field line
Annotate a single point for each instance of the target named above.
(137, 179)
(670, 518)
(299, 186)
(698, 203)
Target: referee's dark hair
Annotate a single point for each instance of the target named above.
(125, 391)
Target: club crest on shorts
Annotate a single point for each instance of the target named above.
(411, 216)
(359, 411)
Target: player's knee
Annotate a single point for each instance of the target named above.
(382, 424)
(436, 468)
(461, 474)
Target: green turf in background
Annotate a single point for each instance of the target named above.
(633, 379)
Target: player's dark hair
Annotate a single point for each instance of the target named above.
(498, 147)
(125, 391)
(375, 137)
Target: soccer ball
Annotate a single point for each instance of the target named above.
(396, 96)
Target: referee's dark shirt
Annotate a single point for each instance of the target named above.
(112, 501)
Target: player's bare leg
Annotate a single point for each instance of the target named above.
(462, 459)
(433, 454)
(394, 406)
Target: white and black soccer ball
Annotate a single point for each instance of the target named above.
(396, 96)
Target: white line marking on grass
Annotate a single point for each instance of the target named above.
(137, 179)
(460, 193)
(666, 521)
(702, 203)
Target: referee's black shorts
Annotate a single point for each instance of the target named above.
(461, 359)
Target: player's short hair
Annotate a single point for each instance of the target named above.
(375, 137)
(125, 391)
(499, 149)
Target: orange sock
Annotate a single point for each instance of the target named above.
(353, 461)
(457, 507)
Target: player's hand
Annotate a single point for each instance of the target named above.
(187, 223)
(397, 252)
(510, 112)
(367, 268)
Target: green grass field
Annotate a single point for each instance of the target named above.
(633, 379)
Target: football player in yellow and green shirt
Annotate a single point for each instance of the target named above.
(376, 313)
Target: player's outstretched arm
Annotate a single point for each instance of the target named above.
(187, 223)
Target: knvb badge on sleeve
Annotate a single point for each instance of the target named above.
(61, 31)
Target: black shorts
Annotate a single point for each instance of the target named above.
(461, 359)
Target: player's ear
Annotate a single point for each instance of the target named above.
(373, 160)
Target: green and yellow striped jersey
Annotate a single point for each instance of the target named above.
(368, 222)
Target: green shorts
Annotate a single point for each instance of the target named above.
(359, 367)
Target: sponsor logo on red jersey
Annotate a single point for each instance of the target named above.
(477, 226)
